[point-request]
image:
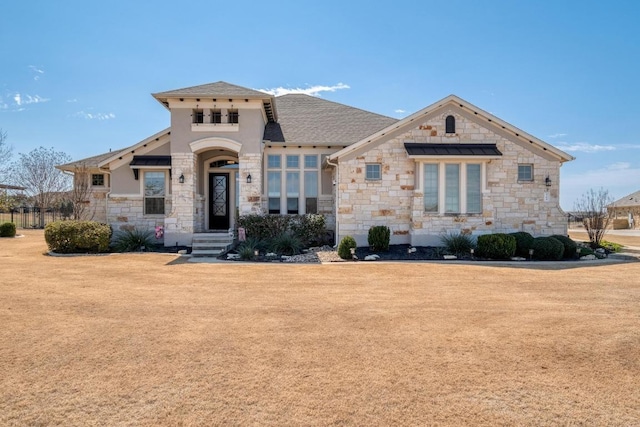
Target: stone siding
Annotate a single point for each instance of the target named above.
(127, 213)
(397, 202)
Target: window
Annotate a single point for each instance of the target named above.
(97, 180)
(216, 116)
(198, 116)
(431, 188)
(452, 188)
(373, 172)
(293, 162)
(273, 161)
(450, 124)
(310, 162)
(311, 191)
(525, 172)
(154, 192)
(293, 191)
(232, 116)
(474, 188)
(273, 191)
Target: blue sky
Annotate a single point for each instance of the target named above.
(77, 75)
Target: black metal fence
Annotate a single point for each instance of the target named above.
(31, 217)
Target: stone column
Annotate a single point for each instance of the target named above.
(250, 194)
(180, 222)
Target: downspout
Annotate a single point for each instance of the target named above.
(337, 198)
(106, 197)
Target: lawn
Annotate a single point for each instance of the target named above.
(144, 339)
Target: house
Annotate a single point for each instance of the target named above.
(230, 150)
(626, 211)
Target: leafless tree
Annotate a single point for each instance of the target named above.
(36, 172)
(80, 196)
(5, 154)
(592, 207)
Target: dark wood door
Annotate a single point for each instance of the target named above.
(219, 201)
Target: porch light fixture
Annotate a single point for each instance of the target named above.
(547, 181)
(530, 254)
(181, 179)
(249, 179)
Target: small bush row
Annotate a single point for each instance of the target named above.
(310, 229)
(8, 229)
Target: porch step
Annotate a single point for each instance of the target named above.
(210, 244)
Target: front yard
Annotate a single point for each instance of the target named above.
(142, 339)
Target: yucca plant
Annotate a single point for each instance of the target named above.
(286, 244)
(134, 240)
(457, 243)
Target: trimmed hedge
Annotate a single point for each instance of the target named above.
(379, 238)
(524, 241)
(344, 249)
(68, 237)
(8, 229)
(547, 249)
(309, 228)
(496, 246)
(570, 246)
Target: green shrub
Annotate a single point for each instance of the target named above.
(584, 251)
(523, 243)
(547, 249)
(379, 237)
(457, 243)
(570, 246)
(134, 240)
(286, 244)
(77, 236)
(8, 229)
(344, 248)
(310, 228)
(610, 246)
(496, 246)
(246, 252)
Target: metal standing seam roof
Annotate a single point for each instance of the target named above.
(420, 149)
(151, 161)
(308, 120)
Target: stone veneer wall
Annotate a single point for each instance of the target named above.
(180, 221)
(127, 213)
(394, 201)
(97, 209)
(250, 194)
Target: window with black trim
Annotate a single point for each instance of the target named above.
(198, 116)
(232, 116)
(97, 180)
(525, 172)
(154, 192)
(216, 116)
(450, 124)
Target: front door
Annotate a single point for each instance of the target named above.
(218, 201)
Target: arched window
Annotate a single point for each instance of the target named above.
(450, 124)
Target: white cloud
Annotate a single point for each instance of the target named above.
(312, 90)
(19, 99)
(557, 135)
(94, 116)
(399, 111)
(37, 72)
(72, 100)
(619, 166)
(584, 147)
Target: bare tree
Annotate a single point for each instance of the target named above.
(80, 196)
(5, 154)
(592, 207)
(36, 171)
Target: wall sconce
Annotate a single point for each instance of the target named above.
(249, 179)
(181, 179)
(547, 181)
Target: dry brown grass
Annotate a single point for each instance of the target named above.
(144, 340)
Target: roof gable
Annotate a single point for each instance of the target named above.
(630, 200)
(309, 120)
(471, 111)
(220, 89)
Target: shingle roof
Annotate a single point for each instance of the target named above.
(308, 120)
(631, 200)
(220, 89)
(417, 149)
(90, 162)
